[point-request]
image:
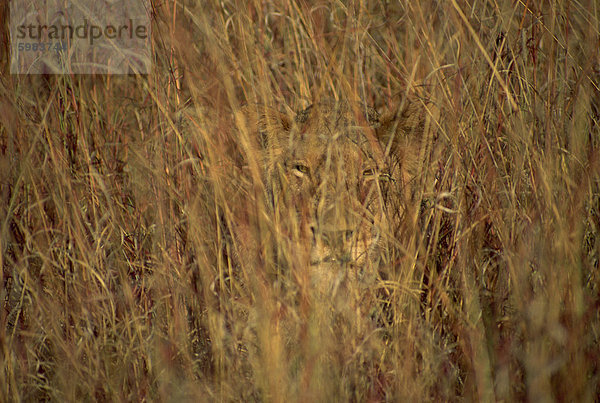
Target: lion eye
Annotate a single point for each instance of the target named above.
(372, 173)
(300, 169)
(368, 172)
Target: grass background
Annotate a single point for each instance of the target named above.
(118, 197)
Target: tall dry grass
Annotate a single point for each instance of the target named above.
(121, 276)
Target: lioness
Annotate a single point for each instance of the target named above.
(336, 176)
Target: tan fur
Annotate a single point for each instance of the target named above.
(332, 177)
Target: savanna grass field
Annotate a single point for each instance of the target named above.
(127, 203)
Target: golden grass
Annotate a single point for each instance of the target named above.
(119, 277)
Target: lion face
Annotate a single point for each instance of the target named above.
(331, 173)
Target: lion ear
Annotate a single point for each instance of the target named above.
(265, 124)
(401, 133)
(402, 127)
